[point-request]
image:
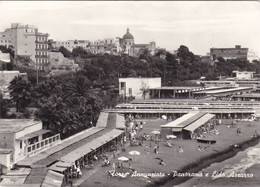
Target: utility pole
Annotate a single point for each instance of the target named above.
(37, 78)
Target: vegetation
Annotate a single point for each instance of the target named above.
(70, 103)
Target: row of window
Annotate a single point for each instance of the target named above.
(41, 38)
(230, 51)
(41, 46)
(5, 41)
(39, 67)
(42, 53)
(41, 60)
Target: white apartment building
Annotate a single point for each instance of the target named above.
(27, 41)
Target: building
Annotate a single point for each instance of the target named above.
(129, 47)
(243, 75)
(21, 138)
(5, 78)
(27, 41)
(229, 53)
(137, 87)
(71, 44)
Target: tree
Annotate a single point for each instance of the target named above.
(79, 51)
(144, 89)
(3, 107)
(66, 53)
(20, 92)
(80, 86)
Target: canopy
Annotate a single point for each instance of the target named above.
(122, 158)
(155, 132)
(176, 129)
(192, 127)
(170, 137)
(102, 119)
(60, 166)
(89, 147)
(53, 179)
(181, 120)
(134, 153)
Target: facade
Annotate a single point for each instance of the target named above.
(133, 87)
(229, 53)
(71, 44)
(27, 41)
(23, 138)
(115, 46)
(243, 75)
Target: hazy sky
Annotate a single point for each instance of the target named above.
(199, 25)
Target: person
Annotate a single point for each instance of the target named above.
(125, 139)
(130, 166)
(199, 148)
(114, 153)
(141, 126)
(79, 173)
(180, 150)
(161, 162)
(95, 157)
(113, 166)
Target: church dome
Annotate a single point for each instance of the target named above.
(128, 35)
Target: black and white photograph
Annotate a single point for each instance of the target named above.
(129, 93)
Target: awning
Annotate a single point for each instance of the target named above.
(89, 147)
(102, 119)
(33, 134)
(192, 127)
(176, 129)
(60, 166)
(120, 121)
(53, 179)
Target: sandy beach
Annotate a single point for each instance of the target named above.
(190, 160)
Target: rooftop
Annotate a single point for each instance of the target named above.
(15, 125)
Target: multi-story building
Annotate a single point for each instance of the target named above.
(229, 53)
(27, 41)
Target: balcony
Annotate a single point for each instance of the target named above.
(42, 49)
(41, 42)
(42, 145)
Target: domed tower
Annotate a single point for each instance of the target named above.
(128, 41)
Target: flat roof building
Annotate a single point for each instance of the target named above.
(23, 137)
(229, 53)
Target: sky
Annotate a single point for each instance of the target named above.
(199, 25)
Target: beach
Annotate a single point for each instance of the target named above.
(148, 171)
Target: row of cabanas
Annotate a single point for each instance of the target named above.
(186, 125)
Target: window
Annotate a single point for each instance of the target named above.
(21, 144)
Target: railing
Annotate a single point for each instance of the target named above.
(31, 149)
(41, 56)
(41, 49)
